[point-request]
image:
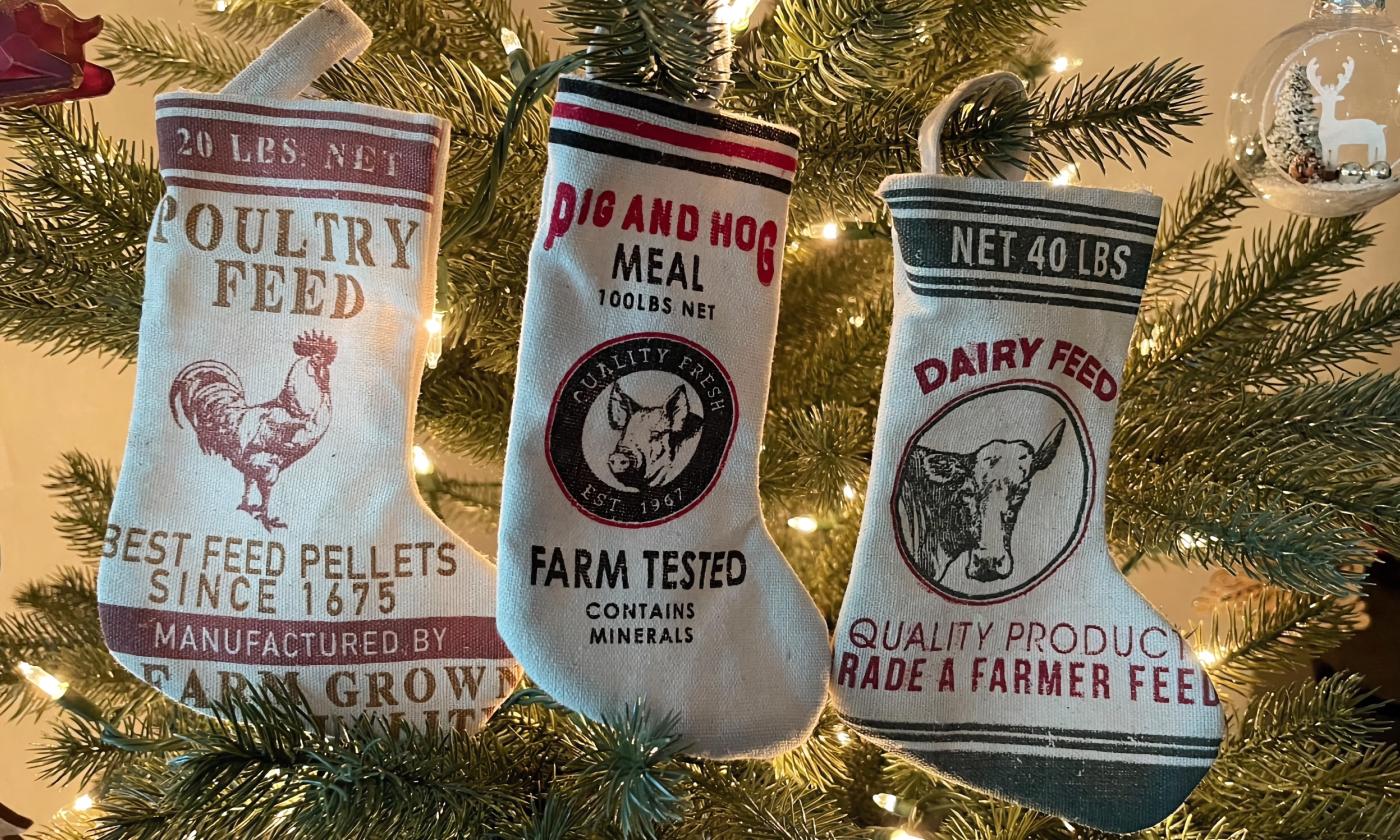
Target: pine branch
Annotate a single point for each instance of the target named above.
(465, 408)
(84, 486)
(257, 19)
(1305, 762)
(664, 45)
(627, 773)
(746, 802)
(821, 55)
(1117, 114)
(813, 456)
(1271, 633)
(1244, 299)
(161, 55)
(1200, 218)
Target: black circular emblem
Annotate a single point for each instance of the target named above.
(992, 494)
(640, 429)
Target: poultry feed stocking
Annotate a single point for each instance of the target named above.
(266, 526)
(986, 633)
(634, 562)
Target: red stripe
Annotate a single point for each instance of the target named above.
(207, 145)
(663, 134)
(262, 641)
(214, 103)
(297, 192)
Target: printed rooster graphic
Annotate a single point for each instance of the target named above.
(262, 440)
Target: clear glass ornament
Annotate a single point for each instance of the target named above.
(1318, 99)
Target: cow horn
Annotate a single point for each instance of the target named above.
(1045, 454)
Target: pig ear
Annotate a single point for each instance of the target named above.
(677, 408)
(1046, 453)
(945, 467)
(620, 407)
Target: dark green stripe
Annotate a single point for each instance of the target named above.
(873, 723)
(981, 283)
(979, 197)
(973, 294)
(1038, 215)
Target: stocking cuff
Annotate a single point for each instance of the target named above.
(1031, 242)
(620, 122)
(301, 149)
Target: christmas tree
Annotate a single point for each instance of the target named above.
(1244, 442)
(1292, 142)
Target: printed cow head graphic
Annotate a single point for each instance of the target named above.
(649, 437)
(959, 496)
(974, 500)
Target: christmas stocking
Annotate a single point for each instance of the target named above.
(986, 633)
(634, 563)
(266, 526)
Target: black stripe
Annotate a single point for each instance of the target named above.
(677, 111)
(932, 192)
(1026, 213)
(973, 294)
(915, 280)
(1024, 741)
(871, 723)
(602, 146)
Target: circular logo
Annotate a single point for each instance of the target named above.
(993, 492)
(640, 429)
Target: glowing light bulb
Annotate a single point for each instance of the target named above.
(221, 5)
(805, 524)
(831, 230)
(848, 491)
(1207, 656)
(510, 41)
(888, 801)
(43, 680)
(82, 803)
(1066, 176)
(422, 464)
(1188, 540)
(1060, 64)
(843, 737)
(736, 14)
(434, 327)
(901, 834)
(856, 320)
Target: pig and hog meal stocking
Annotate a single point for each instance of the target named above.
(986, 633)
(634, 563)
(266, 526)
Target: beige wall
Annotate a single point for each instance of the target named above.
(52, 404)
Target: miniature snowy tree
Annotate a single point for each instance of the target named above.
(1292, 142)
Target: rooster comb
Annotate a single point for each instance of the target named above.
(315, 343)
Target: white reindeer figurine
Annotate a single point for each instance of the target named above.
(1335, 133)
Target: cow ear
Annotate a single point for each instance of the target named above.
(945, 467)
(1045, 455)
(620, 407)
(677, 408)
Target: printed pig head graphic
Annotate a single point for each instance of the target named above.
(650, 437)
(968, 503)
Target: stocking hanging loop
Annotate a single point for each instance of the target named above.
(980, 89)
(301, 54)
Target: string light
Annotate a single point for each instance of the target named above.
(422, 464)
(82, 803)
(736, 14)
(1063, 63)
(856, 320)
(848, 491)
(43, 680)
(888, 801)
(831, 230)
(805, 524)
(843, 737)
(1207, 656)
(1066, 176)
(221, 5)
(517, 61)
(1188, 540)
(434, 327)
(901, 834)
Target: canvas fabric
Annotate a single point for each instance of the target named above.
(266, 525)
(986, 632)
(635, 566)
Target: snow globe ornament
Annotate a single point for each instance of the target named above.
(1314, 125)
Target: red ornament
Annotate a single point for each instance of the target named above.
(41, 54)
